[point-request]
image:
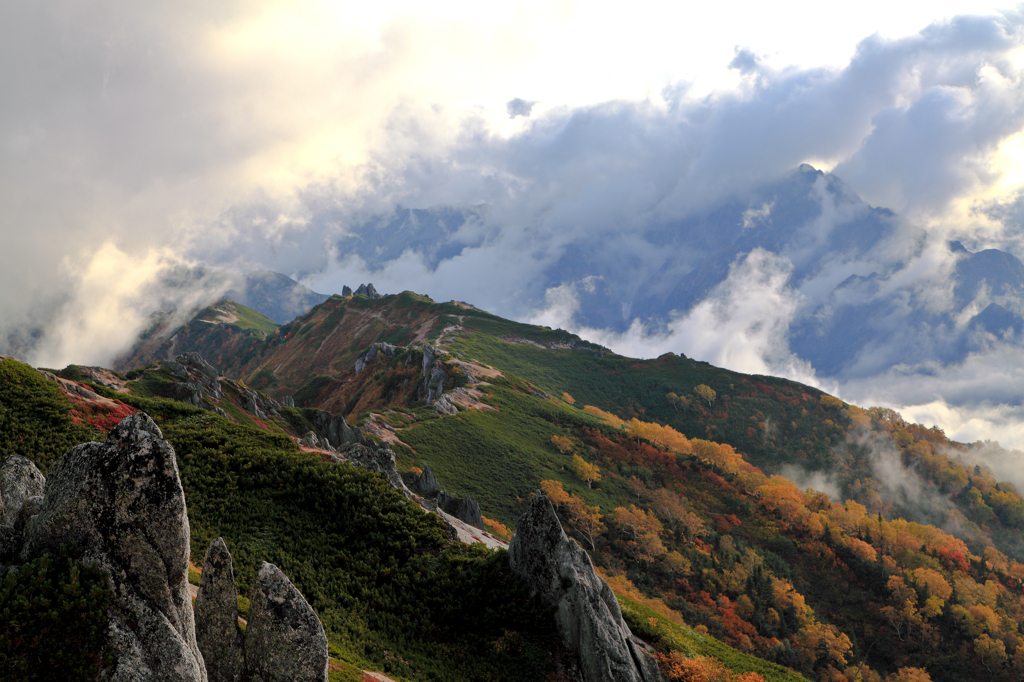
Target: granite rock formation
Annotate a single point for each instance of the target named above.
(371, 352)
(367, 290)
(284, 641)
(216, 608)
(433, 374)
(426, 483)
(121, 504)
(588, 616)
(377, 458)
(464, 509)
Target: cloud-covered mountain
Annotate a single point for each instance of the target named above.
(797, 276)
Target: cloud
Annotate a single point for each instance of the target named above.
(111, 295)
(519, 107)
(745, 61)
(741, 325)
(137, 140)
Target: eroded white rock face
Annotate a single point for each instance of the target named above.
(284, 640)
(121, 504)
(216, 608)
(589, 619)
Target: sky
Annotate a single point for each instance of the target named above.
(138, 140)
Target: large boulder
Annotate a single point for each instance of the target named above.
(284, 639)
(121, 504)
(216, 608)
(588, 616)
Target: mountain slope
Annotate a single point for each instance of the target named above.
(679, 514)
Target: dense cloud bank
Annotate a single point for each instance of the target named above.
(678, 223)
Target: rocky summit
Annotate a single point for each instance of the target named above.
(589, 619)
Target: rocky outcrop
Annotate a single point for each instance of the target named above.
(198, 379)
(288, 401)
(466, 509)
(375, 348)
(377, 458)
(444, 405)
(588, 616)
(346, 290)
(426, 483)
(367, 290)
(311, 440)
(191, 366)
(433, 374)
(285, 641)
(121, 504)
(216, 608)
(336, 429)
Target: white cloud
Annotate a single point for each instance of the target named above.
(742, 325)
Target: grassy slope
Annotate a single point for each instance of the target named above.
(247, 318)
(771, 420)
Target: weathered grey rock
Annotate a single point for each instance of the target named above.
(190, 392)
(216, 608)
(346, 290)
(310, 440)
(288, 401)
(20, 480)
(204, 371)
(284, 639)
(466, 509)
(371, 352)
(426, 483)
(122, 505)
(255, 405)
(336, 429)
(378, 459)
(444, 405)
(588, 616)
(367, 290)
(433, 375)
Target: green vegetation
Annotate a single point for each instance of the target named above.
(229, 312)
(36, 420)
(53, 619)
